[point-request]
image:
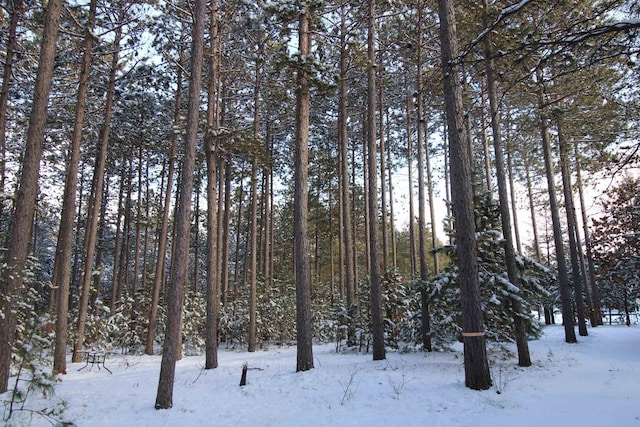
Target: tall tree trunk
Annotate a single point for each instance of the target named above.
(374, 272)
(563, 279)
(512, 188)
(226, 234)
(10, 48)
(178, 277)
(422, 216)
(392, 220)
(136, 250)
(343, 141)
(301, 210)
(196, 224)
(571, 229)
(534, 227)
(485, 138)
(476, 365)
(213, 289)
(595, 298)
(253, 285)
(412, 232)
(161, 256)
(115, 282)
(383, 171)
(62, 263)
(524, 358)
(22, 219)
(432, 208)
(97, 277)
(95, 200)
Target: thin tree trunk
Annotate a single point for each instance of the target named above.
(422, 217)
(534, 227)
(22, 219)
(253, 285)
(136, 250)
(485, 138)
(595, 297)
(178, 277)
(161, 256)
(301, 210)
(95, 201)
(571, 229)
(213, 289)
(524, 357)
(412, 233)
(374, 272)
(392, 221)
(563, 279)
(10, 48)
(512, 188)
(97, 277)
(383, 171)
(226, 234)
(343, 141)
(476, 365)
(62, 263)
(196, 224)
(115, 282)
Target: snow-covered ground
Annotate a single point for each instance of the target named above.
(593, 383)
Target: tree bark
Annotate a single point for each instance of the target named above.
(571, 229)
(22, 220)
(10, 48)
(422, 215)
(534, 226)
(374, 272)
(595, 297)
(301, 210)
(412, 232)
(563, 279)
(62, 263)
(95, 200)
(476, 365)
(253, 286)
(343, 141)
(178, 276)
(213, 289)
(164, 227)
(524, 357)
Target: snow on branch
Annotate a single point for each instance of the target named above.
(507, 11)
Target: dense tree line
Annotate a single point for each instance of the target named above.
(180, 175)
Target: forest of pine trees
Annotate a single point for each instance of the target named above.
(185, 175)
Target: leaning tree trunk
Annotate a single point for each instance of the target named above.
(164, 227)
(62, 263)
(524, 357)
(178, 276)
(595, 298)
(22, 221)
(563, 277)
(476, 365)
(95, 200)
(300, 219)
(571, 230)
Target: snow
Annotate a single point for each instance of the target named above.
(593, 383)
